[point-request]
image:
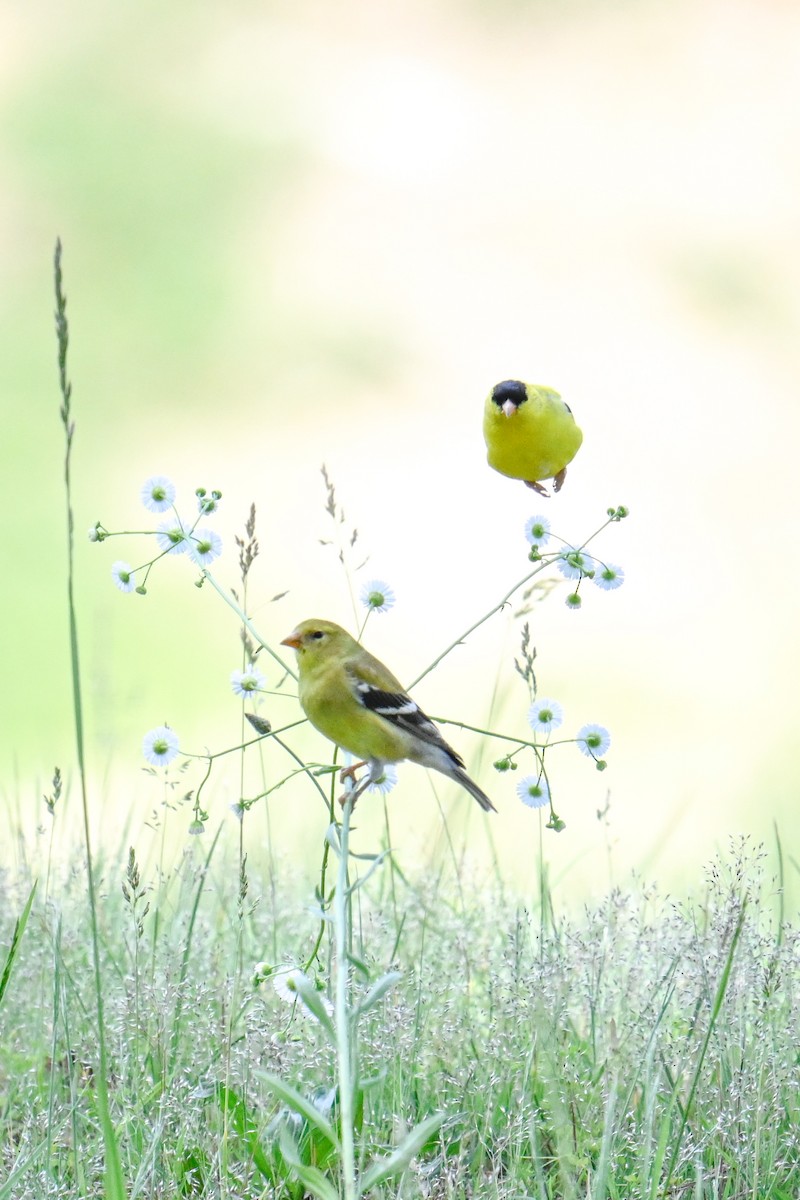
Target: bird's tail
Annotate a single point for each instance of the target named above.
(473, 789)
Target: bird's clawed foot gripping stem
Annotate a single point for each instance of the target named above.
(358, 787)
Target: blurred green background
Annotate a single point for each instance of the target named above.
(297, 233)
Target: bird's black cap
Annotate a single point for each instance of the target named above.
(509, 389)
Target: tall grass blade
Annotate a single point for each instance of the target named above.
(16, 938)
(722, 987)
(115, 1185)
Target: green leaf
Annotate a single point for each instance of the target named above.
(375, 863)
(312, 1179)
(16, 938)
(399, 1159)
(378, 991)
(313, 1002)
(243, 1124)
(359, 965)
(299, 1104)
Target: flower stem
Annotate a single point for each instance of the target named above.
(496, 608)
(341, 913)
(248, 623)
(545, 562)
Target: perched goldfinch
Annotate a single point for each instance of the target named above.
(530, 433)
(355, 701)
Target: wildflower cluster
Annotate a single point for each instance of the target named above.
(545, 715)
(173, 535)
(574, 562)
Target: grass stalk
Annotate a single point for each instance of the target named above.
(342, 902)
(115, 1187)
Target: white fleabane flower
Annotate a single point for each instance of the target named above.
(608, 576)
(593, 740)
(122, 574)
(158, 493)
(160, 746)
(537, 531)
(533, 791)
(387, 781)
(171, 538)
(284, 980)
(573, 600)
(244, 683)
(206, 545)
(545, 715)
(574, 564)
(376, 595)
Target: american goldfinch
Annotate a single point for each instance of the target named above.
(530, 433)
(355, 701)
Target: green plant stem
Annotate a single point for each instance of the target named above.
(545, 562)
(477, 624)
(341, 912)
(248, 624)
(114, 1180)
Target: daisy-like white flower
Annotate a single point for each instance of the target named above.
(122, 574)
(196, 828)
(545, 715)
(206, 546)
(593, 740)
(574, 564)
(160, 746)
(284, 980)
(573, 600)
(608, 576)
(533, 791)
(537, 531)
(171, 538)
(387, 781)
(158, 493)
(244, 683)
(376, 595)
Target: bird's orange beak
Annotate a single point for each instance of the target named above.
(292, 640)
(509, 408)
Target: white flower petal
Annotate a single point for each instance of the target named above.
(158, 493)
(160, 746)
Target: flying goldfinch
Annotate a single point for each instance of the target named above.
(530, 433)
(355, 701)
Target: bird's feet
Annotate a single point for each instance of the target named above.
(350, 772)
(357, 788)
(537, 487)
(558, 480)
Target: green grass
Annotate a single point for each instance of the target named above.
(646, 1048)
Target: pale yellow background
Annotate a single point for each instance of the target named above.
(300, 232)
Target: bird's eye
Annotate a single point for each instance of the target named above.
(318, 635)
